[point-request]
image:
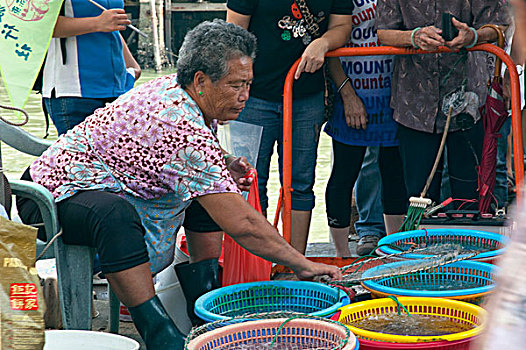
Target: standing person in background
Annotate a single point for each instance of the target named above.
(520, 20)
(419, 87)
(506, 319)
(504, 175)
(88, 63)
(362, 117)
(287, 31)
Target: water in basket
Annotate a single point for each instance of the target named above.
(398, 270)
(449, 285)
(443, 248)
(413, 325)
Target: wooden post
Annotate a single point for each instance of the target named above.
(156, 51)
(160, 31)
(168, 30)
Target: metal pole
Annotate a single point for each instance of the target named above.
(168, 30)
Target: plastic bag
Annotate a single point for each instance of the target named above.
(240, 266)
(21, 301)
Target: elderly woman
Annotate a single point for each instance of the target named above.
(123, 178)
(419, 86)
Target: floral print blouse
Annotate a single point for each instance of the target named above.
(151, 146)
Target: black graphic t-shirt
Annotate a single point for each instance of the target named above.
(284, 29)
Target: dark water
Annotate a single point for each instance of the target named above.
(460, 248)
(437, 285)
(416, 325)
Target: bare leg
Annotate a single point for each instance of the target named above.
(340, 236)
(393, 223)
(132, 286)
(300, 229)
(204, 245)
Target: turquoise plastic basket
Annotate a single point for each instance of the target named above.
(478, 276)
(401, 241)
(311, 298)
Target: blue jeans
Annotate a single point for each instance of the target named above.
(307, 118)
(367, 193)
(66, 112)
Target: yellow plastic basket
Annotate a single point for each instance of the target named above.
(459, 311)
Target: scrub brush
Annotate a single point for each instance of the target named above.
(418, 205)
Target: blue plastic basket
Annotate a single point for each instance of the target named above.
(311, 298)
(402, 241)
(478, 277)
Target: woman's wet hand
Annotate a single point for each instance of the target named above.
(314, 269)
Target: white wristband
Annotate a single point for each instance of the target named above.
(343, 84)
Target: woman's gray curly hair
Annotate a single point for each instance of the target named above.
(208, 48)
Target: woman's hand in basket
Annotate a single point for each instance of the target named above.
(313, 269)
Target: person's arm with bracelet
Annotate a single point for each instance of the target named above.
(430, 38)
(427, 38)
(107, 21)
(355, 114)
(468, 36)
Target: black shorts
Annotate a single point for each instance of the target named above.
(98, 219)
(196, 219)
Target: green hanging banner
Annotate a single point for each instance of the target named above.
(26, 27)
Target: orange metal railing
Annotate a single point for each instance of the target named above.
(286, 190)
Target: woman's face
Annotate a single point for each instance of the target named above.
(225, 99)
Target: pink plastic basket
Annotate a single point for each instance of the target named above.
(462, 344)
(311, 333)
